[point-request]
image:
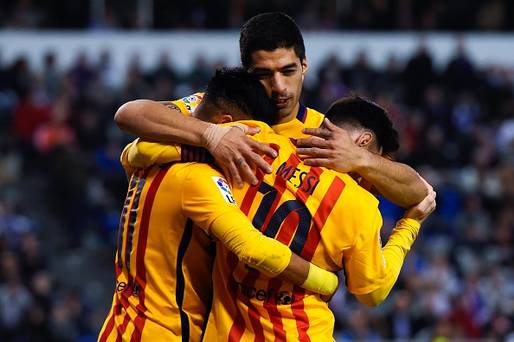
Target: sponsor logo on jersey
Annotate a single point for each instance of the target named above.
(269, 295)
(224, 189)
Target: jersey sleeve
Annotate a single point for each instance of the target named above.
(364, 264)
(208, 201)
(142, 154)
(394, 252)
(206, 195)
(187, 104)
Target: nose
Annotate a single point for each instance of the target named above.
(278, 84)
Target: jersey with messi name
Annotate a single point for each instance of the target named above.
(323, 216)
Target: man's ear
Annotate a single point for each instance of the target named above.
(224, 118)
(365, 139)
(305, 67)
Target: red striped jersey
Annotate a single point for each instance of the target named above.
(164, 257)
(322, 216)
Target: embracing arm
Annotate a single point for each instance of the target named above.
(270, 256)
(234, 152)
(397, 182)
(154, 121)
(207, 200)
(332, 147)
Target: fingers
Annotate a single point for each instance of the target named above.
(260, 148)
(313, 152)
(318, 132)
(260, 163)
(313, 142)
(232, 173)
(226, 173)
(251, 130)
(317, 162)
(330, 126)
(245, 171)
(242, 127)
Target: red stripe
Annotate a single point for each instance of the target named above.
(123, 327)
(280, 186)
(291, 222)
(298, 309)
(139, 322)
(320, 218)
(238, 326)
(254, 316)
(108, 328)
(274, 313)
(285, 234)
(252, 191)
(249, 197)
(288, 228)
(253, 275)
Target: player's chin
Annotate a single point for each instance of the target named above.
(284, 112)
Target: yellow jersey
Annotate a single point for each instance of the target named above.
(164, 255)
(322, 216)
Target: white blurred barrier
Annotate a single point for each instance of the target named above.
(183, 47)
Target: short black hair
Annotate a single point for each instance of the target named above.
(235, 90)
(357, 111)
(269, 31)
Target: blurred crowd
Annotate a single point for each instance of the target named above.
(61, 190)
(456, 15)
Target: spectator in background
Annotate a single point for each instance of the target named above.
(15, 299)
(462, 140)
(418, 74)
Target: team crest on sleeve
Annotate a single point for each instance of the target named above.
(224, 189)
(192, 101)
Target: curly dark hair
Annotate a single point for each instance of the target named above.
(269, 31)
(238, 92)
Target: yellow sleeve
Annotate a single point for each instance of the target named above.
(208, 201)
(363, 263)
(129, 169)
(142, 154)
(394, 252)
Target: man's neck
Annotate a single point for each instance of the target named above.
(291, 115)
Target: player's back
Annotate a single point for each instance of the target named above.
(163, 263)
(303, 207)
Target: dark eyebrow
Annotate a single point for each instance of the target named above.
(256, 70)
(262, 70)
(289, 66)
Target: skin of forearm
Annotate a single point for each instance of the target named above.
(397, 182)
(394, 253)
(154, 121)
(297, 270)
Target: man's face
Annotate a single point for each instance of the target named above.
(281, 72)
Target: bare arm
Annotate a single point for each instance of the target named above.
(154, 121)
(235, 153)
(333, 147)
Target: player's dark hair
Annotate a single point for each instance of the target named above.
(269, 31)
(237, 91)
(357, 111)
